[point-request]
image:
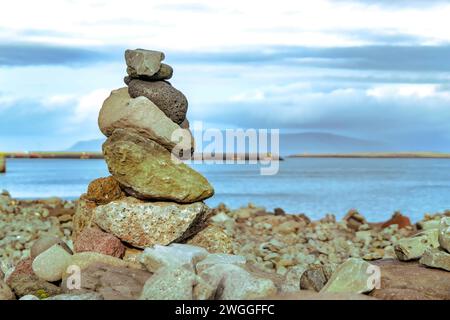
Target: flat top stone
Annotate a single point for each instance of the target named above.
(143, 62)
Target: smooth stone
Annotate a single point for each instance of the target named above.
(52, 263)
(170, 100)
(429, 224)
(412, 248)
(292, 279)
(104, 190)
(29, 297)
(164, 73)
(353, 276)
(95, 240)
(82, 296)
(111, 282)
(144, 224)
(142, 116)
(444, 233)
(411, 281)
(220, 258)
(231, 282)
(44, 243)
(141, 62)
(213, 239)
(84, 259)
(436, 258)
(172, 256)
(170, 284)
(146, 170)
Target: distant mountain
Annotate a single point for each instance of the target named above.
(321, 142)
(290, 143)
(87, 146)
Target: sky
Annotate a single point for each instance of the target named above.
(376, 70)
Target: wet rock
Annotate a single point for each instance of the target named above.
(6, 292)
(104, 190)
(444, 233)
(148, 171)
(172, 256)
(413, 248)
(232, 282)
(44, 243)
(143, 224)
(411, 281)
(52, 263)
(213, 239)
(142, 116)
(111, 282)
(95, 240)
(170, 284)
(353, 276)
(142, 62)
(168, 99)
(436, 258)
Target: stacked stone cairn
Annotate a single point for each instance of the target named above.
(141, 233)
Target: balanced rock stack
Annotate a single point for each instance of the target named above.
(151, 198)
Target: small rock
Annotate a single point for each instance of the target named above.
(45, 243)
(444, 233)
(111, 282)
(83, 296)
(143, 224)
(354, 220)
(168, 99)
(84, 216)
(292, 279)
(29, 297)
(436, 258)
(52, 263)
(148, 171)
(220, 258)
(213, 239)
(413, 248)
(104, 190)
(314, 278)
(232, 282)
(172, 256)
(170, 284)
(23, 285)
(132, 255)
(95, 240)
(164, 73)
(142, 62)
(429, 224)
(398, 219)
(5, 292)
(353, 276)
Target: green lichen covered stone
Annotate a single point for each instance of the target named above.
(147, 170)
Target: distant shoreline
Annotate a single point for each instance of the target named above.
(376, 155)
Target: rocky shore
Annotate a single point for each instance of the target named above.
(276, 255)
(144, 232)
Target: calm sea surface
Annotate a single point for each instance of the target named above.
(376, 187)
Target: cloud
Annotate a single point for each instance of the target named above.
(26, 54)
